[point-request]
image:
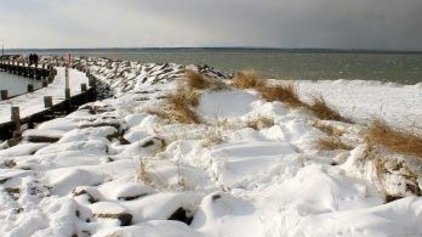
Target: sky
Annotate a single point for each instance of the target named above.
(340, 24)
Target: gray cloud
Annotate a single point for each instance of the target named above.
(376, 24)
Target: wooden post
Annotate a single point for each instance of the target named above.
(44, 83)
(48, 101)
(4, 94)
(67, 93)
(50, 78)
(66, 74)
(30, 88)
(83, 87)
(15, 116)
(34, 73)
(92, 81)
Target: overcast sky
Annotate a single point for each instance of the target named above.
(365, 24)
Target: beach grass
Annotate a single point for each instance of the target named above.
(395, 139)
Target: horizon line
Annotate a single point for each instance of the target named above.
(223, 48)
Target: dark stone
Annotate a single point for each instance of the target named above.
(132, 197)
(125, 219)
(215, 197)
(390, 198)
(75, 194)
(18, 210)
(414, 188)
(147, 144)
(91, 199)
(181, 215)
(9, 163)
(123, 141)
(96, 125)
(42, 139)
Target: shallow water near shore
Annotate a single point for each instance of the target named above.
(404, 68)
(16, 85)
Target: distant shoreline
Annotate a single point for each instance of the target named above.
(239, 49)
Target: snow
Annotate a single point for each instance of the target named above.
(400, 105)
(117, 169)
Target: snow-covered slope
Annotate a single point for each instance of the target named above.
(117, 167)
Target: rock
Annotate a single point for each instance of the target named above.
(42, 139)
(181, 215)
(124, 218)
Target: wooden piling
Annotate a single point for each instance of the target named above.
(67, 94)
(48, 101)
(83, 87)
(92, 81)
(4, 94)
(30, 88)
(15, 117)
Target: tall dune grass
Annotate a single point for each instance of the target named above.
(395, 139)
(323, 111)
(286, 93)
(196, 80)
(247, 79)
(181, 104)
(331, 143)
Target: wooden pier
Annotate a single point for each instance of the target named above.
(11, 129)
(65, 104)
(44, 73)
(23, 69)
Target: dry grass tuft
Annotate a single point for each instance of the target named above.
(196, 80)
(143, 173)
(181, 104)
(212, 140)
(332, 143)
(322, 111)
(328, 129)
(285, 93)
(247, 79)
(160, 114)
(260, 123)
(394, 139)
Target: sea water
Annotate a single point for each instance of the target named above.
(16, 85)
(304, 64)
